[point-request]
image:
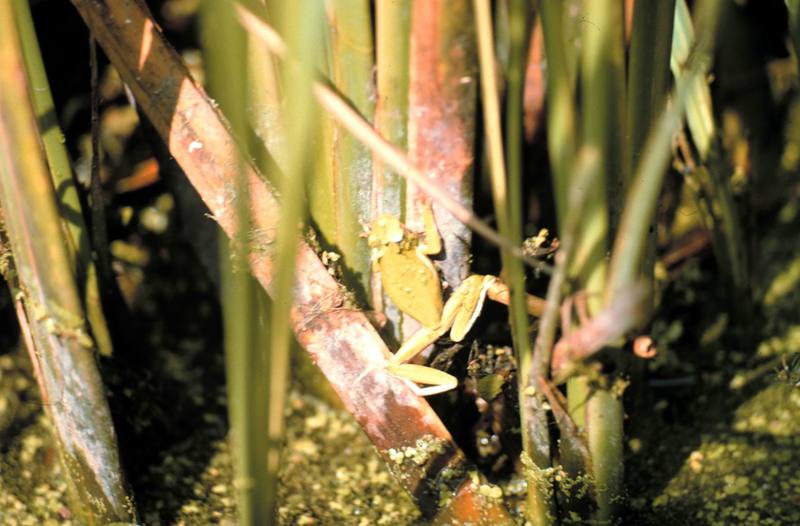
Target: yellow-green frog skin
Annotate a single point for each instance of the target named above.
(410, 279)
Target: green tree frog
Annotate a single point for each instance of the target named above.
(411, 281)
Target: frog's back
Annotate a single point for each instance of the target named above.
(412, 283)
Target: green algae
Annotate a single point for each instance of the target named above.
(332, 475)
(745, 473)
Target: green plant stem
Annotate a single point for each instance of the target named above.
(729, 241)
(586, 167)
(301, 21)
(264, 104)
(393, 26)
(351, 55)
(648, 73)
(509, 218)
(699, 112)
(519, 19)
(62, 353)
(604, 429)
(717, 180)
(642, 198)
(562, 144)
(603, 100)
(561, 118)
(244, 319)
(78, 249)
(648, 86)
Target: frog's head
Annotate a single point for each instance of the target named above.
(385, 230)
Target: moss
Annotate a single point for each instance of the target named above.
(332, 475)
(740, 471)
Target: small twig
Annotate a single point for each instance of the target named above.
(586, 170)
(34, 355)
(611, 323)
(99, 235)
(570, 435)
(499, 292)
(689, 246)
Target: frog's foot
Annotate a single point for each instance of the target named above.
(436, 381)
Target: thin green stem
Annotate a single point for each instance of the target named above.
(648, 86)
(586, 168)
(648, 74)
(561, 118)
(389, 189)
(303, 39)
(603, 101)
(245, 352)
(62, 353)
(509, 219)
(79, 250)
(642, 198)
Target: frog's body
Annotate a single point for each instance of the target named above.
(410, 279)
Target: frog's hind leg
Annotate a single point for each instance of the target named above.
(436, 381)
(464, 306)
(418, 342)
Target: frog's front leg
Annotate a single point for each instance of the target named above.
(458, 316)
(431, 243)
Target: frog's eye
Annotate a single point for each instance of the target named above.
(395, 233)
(387, 229)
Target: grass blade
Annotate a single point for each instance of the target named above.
(509, 218)
(392, 35)
(629, 244)
(244, 315)
(698, 103)
(728, 239)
